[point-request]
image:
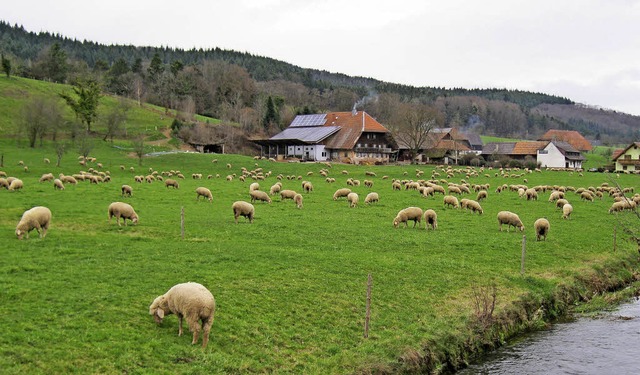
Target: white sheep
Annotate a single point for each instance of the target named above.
(451, 201)
(242, 208)
(46, 177)
(15, 184)
(260, 196)
(371, 198)
(171, 182)
(567, 209)
(275, 189)
(511, 219)
(341, 193)
(69, 180)
(126, 190)
(298, 200)
(191, 301)
(4, 183)
(205, 193)
(254, 186)
(37, 218)
(124, 211)
(57, 184)
(474, 207)
(542, 228)
(430, 219)
(482, 194)
(353, 199)
(406, 214)
(307, 187)
(287, 194)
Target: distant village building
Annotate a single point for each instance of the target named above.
(445, 146)
(628, 159)
(572, 137)
(352, 137)
(547, 154)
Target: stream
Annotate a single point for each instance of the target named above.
(607, 344)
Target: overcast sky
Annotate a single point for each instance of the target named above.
(585, 50)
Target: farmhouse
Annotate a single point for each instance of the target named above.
(443, 145)
(628, 159)
(547, 154)
(352, 137)
(572, 137)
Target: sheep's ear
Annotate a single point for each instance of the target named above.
(160, 313)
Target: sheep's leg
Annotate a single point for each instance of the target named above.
(179, 324)
(206, 328)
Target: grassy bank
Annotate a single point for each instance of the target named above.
(290, 288)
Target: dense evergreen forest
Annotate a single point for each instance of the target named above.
(263, 95)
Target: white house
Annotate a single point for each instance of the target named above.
(628, 159)
(558, 154)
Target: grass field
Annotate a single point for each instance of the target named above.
(290, 288)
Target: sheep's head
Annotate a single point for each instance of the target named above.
(19, 233)
(521, 228)
(134, 219)
(396, 222)
(156, 310)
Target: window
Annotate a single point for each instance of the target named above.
(324, 154)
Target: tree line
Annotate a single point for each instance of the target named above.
(261, 94)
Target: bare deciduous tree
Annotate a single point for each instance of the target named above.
(413, 126)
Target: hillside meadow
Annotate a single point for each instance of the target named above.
(291, 287)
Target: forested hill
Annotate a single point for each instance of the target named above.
(264, 94)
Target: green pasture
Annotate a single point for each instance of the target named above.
(290, 288)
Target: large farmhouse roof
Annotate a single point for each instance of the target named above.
(528, 147)
(311, 134)
(570, 136)
(619, 152)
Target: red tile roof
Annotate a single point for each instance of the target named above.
(528, 147)
(351, 128)
(572, 137)
(620, 151)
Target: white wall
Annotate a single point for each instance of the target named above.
(551, 157)
(314, 152)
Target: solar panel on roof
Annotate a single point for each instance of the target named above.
(308, 120)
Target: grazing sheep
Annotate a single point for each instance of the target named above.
(531, 194)
(37, 218)
(15, 184)
(287, 194)
(242, 208)
(474, 207)
(4, 183)
(451, 201)
(371, 198)
(190, 301)
(69, 180)
(430, 219)
(57, 184)
(275, 189)
(171, 182)
(205, 193)
(395, 185)
(126, 190)
(46, 177)
(511, 219)
(542, 228)
(406, 214)
(561, 202)
(567, 209)
(353, 199)
(587, 196)
(260, 196)
(307, 187)
(124, 211)
(482, 194)
(46, 160)
(555, 195)
(254, 186)
(344, 192)
(298, 200)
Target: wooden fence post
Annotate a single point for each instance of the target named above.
(524, 254)
(368, 311)
(182, 222)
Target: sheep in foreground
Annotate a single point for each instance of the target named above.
(171, 182)
(371, 198)
(430, 219)
(482, 194)
(15, 185)
(124, 211)
(242, 208)
(205, 193)
(298, 200)
(406, 214)
(567, 209)
(37, 218)
(191, 301)
(257, 195)
(542, 228)
(450, 200)
(341, 193)
(353, 199)
(511, 219)
(126, 190)
(57, 184)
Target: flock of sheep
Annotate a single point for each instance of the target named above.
(196, 304)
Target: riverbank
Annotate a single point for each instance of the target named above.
(603, 288)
